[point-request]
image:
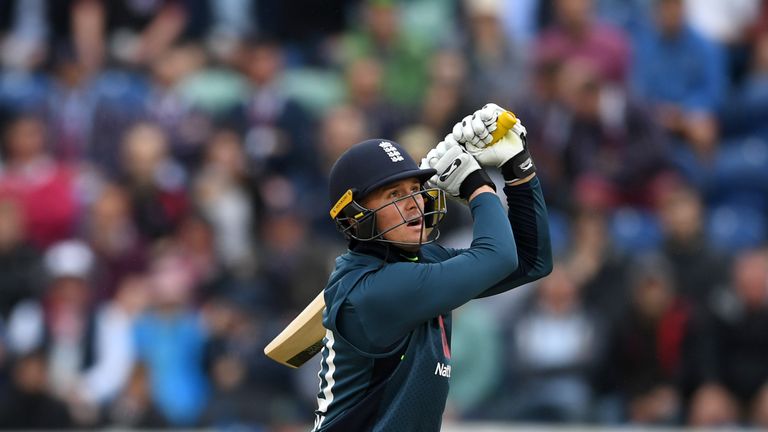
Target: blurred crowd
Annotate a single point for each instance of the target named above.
(163, 204)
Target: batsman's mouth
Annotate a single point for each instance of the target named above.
(414, 222)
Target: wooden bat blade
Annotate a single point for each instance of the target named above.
(302, 338)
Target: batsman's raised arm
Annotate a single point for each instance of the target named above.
(527, 210)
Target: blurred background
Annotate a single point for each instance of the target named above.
(163, 204)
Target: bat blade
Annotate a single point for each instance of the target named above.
(302, 338)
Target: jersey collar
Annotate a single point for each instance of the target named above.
(384, 251)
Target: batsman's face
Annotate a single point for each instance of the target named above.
(400, 219)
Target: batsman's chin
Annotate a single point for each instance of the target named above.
(409, 238)
(417, 235)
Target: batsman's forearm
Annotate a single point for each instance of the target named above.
(530, 225)
(478, 191)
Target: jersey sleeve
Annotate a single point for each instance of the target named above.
(530, 225)
(393, 300)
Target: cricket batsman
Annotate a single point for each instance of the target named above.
(386, 357)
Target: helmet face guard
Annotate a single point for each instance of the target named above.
(359, 223)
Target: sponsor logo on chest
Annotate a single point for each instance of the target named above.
(443, 370)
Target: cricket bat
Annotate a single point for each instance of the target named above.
(504, 123)
(303, 337)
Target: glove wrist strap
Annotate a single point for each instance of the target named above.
(518, 167)
(474, 180)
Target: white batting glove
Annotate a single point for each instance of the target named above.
(509, 153)
(457, 170)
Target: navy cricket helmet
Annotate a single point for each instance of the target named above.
(364, 168)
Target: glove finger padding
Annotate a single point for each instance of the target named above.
(509, 153)
(471, 129)
(489, 113)
(429, 161)
(481, 130)
(453, 168)
(440, 149)
(491, 110)
(519, 129)
(500, 152)
(476, 129)
(449, 141)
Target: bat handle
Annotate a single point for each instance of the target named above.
(504, 123)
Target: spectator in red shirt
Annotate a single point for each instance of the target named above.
(44, 188)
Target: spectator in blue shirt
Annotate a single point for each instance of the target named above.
(682, 74)
(747, 108)
(170, 339)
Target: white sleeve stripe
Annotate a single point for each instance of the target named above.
(325, 401)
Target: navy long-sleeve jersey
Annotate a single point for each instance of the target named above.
(386, 359)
